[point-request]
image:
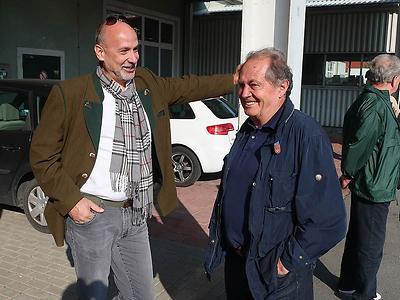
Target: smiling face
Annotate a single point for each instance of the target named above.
(118, 52)
(260, 99)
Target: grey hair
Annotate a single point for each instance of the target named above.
(383, 68)
(278, 70)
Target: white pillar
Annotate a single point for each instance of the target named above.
(279, 24)
(295, 47)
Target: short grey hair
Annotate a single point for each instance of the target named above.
(278, 70)
(383, 68)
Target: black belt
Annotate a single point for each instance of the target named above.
(104, 202)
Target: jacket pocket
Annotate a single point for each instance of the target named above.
(278, 211)
(267, 266)
(282, 188)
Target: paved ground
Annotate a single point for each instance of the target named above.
(31, 267)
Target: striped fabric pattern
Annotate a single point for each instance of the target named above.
(131, 163)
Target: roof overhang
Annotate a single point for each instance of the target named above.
(209, 7)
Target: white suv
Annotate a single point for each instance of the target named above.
(202, 133)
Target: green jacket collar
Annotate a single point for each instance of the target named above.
(93, 110)
(382, 93)
(97, 86)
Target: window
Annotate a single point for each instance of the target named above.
(151, 32)
(181, 111)
(335, 69)
(343, 70)
(313, 69)
(157, 40)
(14, 111)
(40, 63)
(220, 108)
(158, 54)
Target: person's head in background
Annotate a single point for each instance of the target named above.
(384, 72)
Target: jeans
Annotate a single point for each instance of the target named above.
(363, 249)
(110, 240)
(296, 285)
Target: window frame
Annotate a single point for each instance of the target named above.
(118, 7)
(345, 57)
(21, 51)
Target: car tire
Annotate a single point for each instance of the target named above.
(186, 166)
(34, 201)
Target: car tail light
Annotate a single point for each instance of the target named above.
(221, 129)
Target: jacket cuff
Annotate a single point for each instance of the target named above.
(293, 256)
(64, 207)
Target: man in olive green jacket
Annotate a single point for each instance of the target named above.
(94, 131)
(370, 167)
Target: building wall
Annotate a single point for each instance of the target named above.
(328, 105)
(67, 26)
(362, 31)
(353, 31)
(216, 45)
(354, 34)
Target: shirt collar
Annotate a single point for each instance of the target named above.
(272, 124)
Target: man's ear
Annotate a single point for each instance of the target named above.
(99, 51)
(283, 88)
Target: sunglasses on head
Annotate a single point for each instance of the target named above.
(111, 20)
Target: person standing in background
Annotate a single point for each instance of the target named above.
(370, 167)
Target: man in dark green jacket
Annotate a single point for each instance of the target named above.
(99, 139)
(370, 167)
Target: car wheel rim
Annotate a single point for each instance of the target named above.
(183, 167)
(36, 203)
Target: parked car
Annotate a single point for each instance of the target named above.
(20, 104)
(202, 133)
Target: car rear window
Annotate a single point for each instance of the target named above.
(181, 111)
(220, 108)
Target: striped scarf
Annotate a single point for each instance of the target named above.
(131, 165)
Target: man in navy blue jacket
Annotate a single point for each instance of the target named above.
(279, 206)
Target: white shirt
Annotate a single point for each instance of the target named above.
(99, 182)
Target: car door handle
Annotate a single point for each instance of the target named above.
(11, 148)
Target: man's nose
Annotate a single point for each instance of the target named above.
(244, 92)
(133, 56)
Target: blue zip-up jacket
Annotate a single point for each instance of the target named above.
(296, 211)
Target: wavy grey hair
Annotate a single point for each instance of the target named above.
(383, 68)
(278, 70)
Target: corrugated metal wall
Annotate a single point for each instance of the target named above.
(333, 32)
(216, 45)
(356, 32)
(216, 49)
(328, 105)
